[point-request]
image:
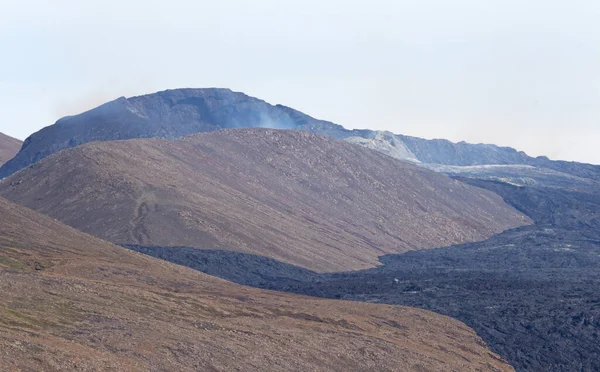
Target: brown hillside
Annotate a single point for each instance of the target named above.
(292, 196)
(8, 147)
(73, 302)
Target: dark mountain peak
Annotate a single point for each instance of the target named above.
(177, 113)
(105, 109)
(167, 114)
(175, 97)
(193, 92)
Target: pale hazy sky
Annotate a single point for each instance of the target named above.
(521, 73)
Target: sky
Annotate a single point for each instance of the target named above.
(524, 73)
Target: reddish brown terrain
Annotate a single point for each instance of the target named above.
(73, 302)
(8, 147)
(292, 196)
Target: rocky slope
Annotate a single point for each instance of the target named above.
(464, 154)
(386, 143)
(296, 197)
(181, 112)
(519, 175)
(168, 114)
(532, 293)
(9, 147)
(73, 302)
(481, 161)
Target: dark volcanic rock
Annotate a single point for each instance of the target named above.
(243, 268)
(71, 302)
(439, 151)
(169, 114)
(483, 161)
(520, 175)
(532, 293)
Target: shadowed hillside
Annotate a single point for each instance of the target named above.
(293, 196)
(73, 302)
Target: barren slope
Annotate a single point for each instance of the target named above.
(292, 196)
(73, 302)
(180, 112)
(487, 162)
(167, 114)
(8, 147)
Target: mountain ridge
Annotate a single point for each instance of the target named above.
(176, 113)
(297, 197)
